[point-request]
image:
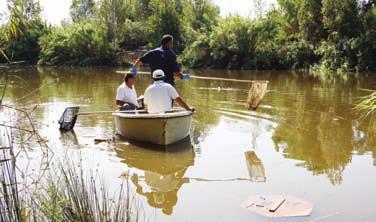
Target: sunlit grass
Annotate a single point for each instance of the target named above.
(367, 105)
(72, 195)
(66, 192)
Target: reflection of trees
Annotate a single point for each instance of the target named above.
(21, 82)
(369, 127)
(315, 125)
(323, 148)
(163, 172)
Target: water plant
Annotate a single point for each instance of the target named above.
(367, 104)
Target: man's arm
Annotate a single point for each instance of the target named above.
(144, 59)
(178, 75)
(181, 103)
(138, 63)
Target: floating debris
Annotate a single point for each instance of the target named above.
(101, 140)
(278, 206)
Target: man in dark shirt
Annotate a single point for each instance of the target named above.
(163, 58)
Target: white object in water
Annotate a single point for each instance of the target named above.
(278, 206)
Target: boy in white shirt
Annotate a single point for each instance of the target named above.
(159, 96)
(126, 96)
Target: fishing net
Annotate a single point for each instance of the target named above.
(68, 119)
(256, 94)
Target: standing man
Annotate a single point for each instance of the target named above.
(159, 96)
(163, 58)
(126, 96)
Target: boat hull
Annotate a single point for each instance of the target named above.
(162, 129)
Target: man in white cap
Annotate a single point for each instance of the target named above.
(159, 96)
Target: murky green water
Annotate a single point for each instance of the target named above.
(305, 140)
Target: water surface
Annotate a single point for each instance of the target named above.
(305, 140)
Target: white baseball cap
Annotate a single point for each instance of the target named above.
(158, 74)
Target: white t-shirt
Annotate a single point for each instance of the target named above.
(159, 96)
(126, 94)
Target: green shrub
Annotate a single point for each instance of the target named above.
(19, 42)
(133, 35)
(82, 44)
(197, 55)
(367, 45)
(165, 19)
(233, 42)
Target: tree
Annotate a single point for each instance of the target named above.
(259, 8)
(342, 17)
(165, 19)
(113, 13)
(81, 43)
(366, 5)
(19, 37)
(290, 9)
(81, 9)
(202, 15)
(233, 42)
(25, 9)
(310, 21)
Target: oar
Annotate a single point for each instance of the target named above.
(70, 114)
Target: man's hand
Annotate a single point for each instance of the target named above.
(185, 76)
(178, 75)
(133, 70)
(181, 102)
(138, 63)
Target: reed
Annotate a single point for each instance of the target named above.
(71, 195)
(10, 204)
(61, 193)
(68, 194)
(367, 104)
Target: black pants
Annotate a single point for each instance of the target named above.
(127, 106)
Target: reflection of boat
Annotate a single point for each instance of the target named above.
(256, 169)
(163, 172)
(163, 128)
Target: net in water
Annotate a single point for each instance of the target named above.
(256, 94)
(68, 119)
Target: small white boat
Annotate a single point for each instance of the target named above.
(163, 128)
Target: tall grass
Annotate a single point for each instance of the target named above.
(367, 104)
(10, 204)
(68, 194)
(71, 195)
(65, 193)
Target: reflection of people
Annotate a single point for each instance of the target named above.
(163, 172)
(164, 188)
(159, 96)
(256, 169)
(126, 97)
(163, 58)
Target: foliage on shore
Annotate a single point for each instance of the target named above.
(299, 34)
